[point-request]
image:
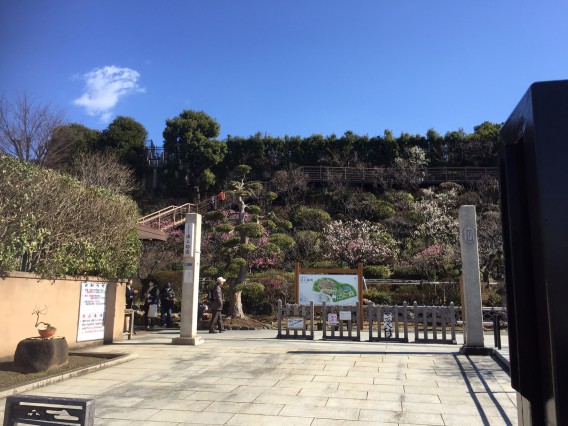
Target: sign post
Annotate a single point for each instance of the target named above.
(190, 288)
(473, 316)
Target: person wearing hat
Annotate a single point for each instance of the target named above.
(217, 306)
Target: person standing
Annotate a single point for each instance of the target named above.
(217, 306)
(152, 297)
(221, 197)
(167, 296)
(130, 293)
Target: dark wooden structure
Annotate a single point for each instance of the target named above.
(534, 202)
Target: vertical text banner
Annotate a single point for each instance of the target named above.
(189, 240)
(91, 311)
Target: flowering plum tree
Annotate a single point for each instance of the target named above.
(358, 241)
(437, 214)
(438, 261)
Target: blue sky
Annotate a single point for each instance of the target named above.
(283, 67)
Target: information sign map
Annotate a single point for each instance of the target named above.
(333, 289)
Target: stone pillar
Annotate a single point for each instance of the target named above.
(471, 289)
(190, 289)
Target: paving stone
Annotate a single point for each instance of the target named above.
(401, 417)
(191, 417)
(245, 408)
(341, 413)
(313, 401)
(252, 378)
(249, 419)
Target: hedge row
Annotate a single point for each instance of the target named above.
(53, 225)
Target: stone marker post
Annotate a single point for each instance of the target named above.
(190, 288)
(471, 309)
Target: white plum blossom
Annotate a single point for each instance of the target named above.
(438, 217)
(359, 241)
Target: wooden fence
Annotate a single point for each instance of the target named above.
(299, 320)
(431, 324)
(347, 327)
(383, 317)
(428, 318)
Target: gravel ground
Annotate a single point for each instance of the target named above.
(10, 379)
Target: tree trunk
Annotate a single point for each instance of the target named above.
(237, 305)
(236, 308)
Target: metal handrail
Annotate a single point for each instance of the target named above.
(170, 211)
(429, 174)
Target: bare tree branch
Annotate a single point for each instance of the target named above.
(106, 171)
(26, 128)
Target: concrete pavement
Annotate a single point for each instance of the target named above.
(250, 378)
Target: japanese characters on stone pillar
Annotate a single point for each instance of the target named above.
(471, 309)
(190, 287)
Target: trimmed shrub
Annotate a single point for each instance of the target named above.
(378, 297)
(283, 241)
(376, 271)
(54, 225)
(253, 298)
(250, 229)
(253, 209)
(309, 218)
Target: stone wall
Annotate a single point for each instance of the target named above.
(21, 292)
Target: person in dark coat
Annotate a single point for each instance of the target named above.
(217, 306)
(130, 293)
(167, 296)
(152, 297)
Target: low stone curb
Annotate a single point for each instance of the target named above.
(55, 379)
(236, 327)
(501, 360)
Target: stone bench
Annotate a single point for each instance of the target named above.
(44, 410)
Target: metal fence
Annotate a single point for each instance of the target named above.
(429, 175)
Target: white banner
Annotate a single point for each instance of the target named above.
(91, 311)
(387, 322)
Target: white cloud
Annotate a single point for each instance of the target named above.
(105, 87)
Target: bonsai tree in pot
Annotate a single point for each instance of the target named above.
(46, 331)
(40, 354)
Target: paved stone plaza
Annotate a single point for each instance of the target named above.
(252, 378)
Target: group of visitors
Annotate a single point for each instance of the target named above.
(155, 298)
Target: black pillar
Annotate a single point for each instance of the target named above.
(534, 198)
